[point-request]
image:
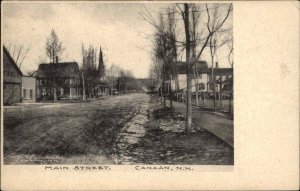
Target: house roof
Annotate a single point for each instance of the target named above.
(221, 71)
(202, 67)
(101, 83)
(61, 69)
(5, 51)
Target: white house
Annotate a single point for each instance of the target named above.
(202, 75)
(199, 69)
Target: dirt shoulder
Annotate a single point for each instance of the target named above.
(161, 140)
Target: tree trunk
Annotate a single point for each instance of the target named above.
(196, 84)
(177, 87)
(171, 96)
(55, 94)
(197, 100)
(188, 74)
(164, 91)
(220, 98)
(83, 87)
(161, 94)
(203, 99)
(189, 104)
(230, 105)
(213, 81)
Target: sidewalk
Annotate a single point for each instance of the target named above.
(220, 126)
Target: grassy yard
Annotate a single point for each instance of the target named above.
(221, 105)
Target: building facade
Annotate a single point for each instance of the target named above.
(200, 77)
(28, 89)
(223, 79)
(202, 80)
(12, 80)
(101, 88)
(62, 79)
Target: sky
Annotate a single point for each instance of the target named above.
(117, 27)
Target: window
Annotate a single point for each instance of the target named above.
(24, 93)
(201, 86)
(31, 94)
(67, 81)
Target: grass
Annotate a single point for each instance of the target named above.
(223, 105)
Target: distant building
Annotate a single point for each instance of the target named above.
(28, 89)
(12, 80)
(62, 78)
(223, 79)
(199, 69)
(101, 88)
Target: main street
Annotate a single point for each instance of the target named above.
(127, 129)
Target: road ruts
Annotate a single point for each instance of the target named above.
(131, 134)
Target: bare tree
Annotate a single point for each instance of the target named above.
(156, 75)
(230, 53)
(18, 53)
(31, 73)
(194, 36)
(185, 16)
(212, 28)
(89, 69)
(54, 48)
(195, 40)
(217, 40)
(112, 74)
(166, 51)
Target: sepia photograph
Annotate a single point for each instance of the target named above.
(89, 83)
(149, 95)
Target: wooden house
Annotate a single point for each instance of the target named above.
(12, 80)
(62, 78)
(199, 72)
(223, 79)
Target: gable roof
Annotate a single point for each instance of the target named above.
(11, 60)
(62, 69)
(202, 67)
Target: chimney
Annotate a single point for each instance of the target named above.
(56, 59)
(217, 65)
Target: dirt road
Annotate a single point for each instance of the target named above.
(127, 129)
(66, 133)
